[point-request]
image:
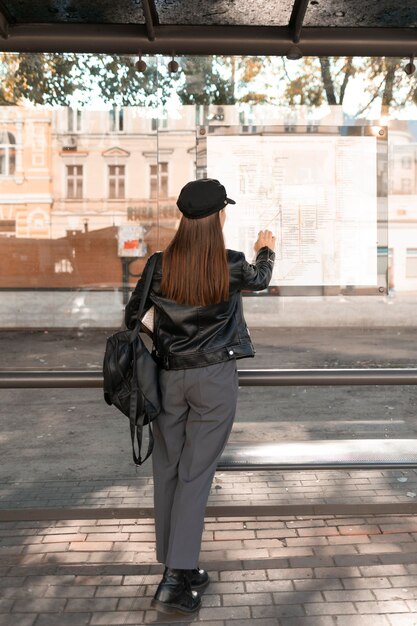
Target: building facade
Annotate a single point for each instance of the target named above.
(75, 176)
(25, 172)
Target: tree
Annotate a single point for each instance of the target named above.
(385, 81)
(317, 80)
(38, 78)
(56, 79)
(207, 80)
(61, 79)
(396, 88)
(303, 88)
(120, 82)
(345, 73)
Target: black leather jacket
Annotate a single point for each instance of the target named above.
(192, 336)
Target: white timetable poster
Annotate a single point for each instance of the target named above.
(317, 194)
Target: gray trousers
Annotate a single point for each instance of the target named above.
(198, 409)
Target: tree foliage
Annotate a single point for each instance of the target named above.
(38, 78)
(305, 87)
(207, 80)
(60, 79)
(395, 88)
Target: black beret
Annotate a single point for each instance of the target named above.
(200, 198)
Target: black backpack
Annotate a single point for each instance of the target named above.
(130, 376)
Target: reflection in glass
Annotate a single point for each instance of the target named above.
(116, 181)
(90, 191)
(74, 181)
(7, 153)
(73, 176)
(159, 180)
(411, 263)
(74, 120)
(116, 119)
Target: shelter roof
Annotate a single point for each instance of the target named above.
(317, 27)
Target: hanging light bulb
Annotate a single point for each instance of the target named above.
(294, 53)
(410, 68)
(141, 65)
(173, 66)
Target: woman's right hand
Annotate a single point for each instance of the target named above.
(265, 238)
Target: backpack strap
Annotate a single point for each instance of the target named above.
(137, 429)
(147, 286)
(136, 423)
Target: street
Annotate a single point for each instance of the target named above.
(73, 434)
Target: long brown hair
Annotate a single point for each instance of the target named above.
(194, 265)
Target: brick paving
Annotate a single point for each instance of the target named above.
(268, 571)
(231, 488)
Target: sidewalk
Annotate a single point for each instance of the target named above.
(288, 571)
(301, 488)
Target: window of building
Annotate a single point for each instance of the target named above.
(116, 119)
(159, 180)
(405, 185)
(116, 181)
(7, 153)
(154, 181)
(74, 120)
(7, 227)
(135, 214)
(74, 181)
(406, 162)
(37, 219)
(411, 263)
(163, 180)
(161, 123)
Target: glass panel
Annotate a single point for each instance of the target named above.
(67, 264)
(64, 213)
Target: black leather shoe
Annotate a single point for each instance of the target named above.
(174, 593)
(199, 579)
